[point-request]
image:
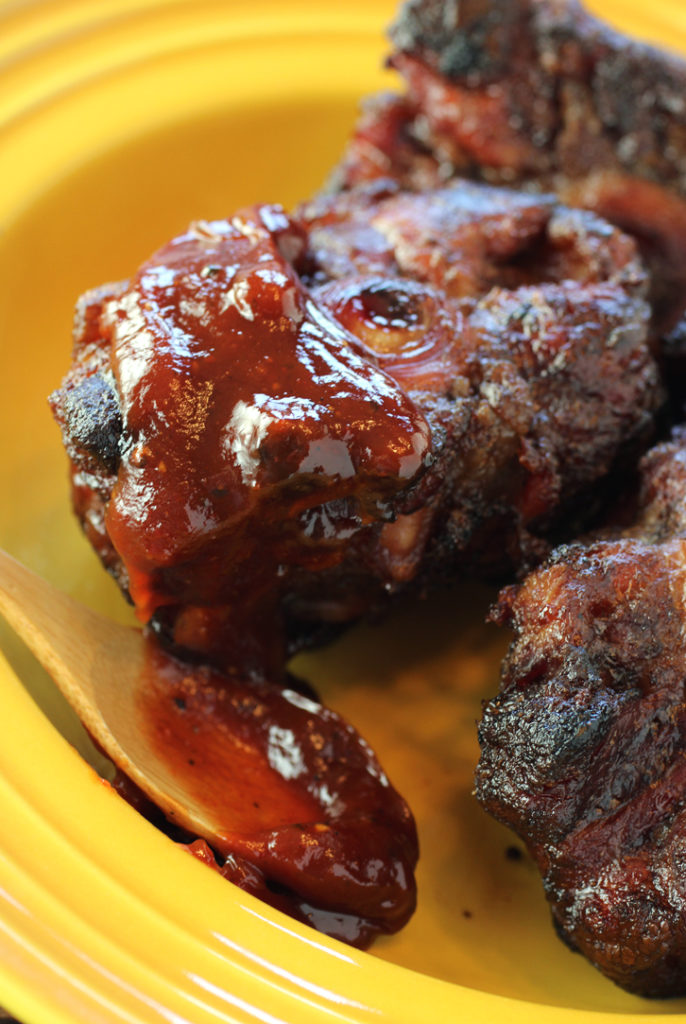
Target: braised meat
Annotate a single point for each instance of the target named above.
(279, 421)
(538, 94)
(583, 749)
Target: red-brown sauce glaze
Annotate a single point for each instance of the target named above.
(406, 325)
(260, 443)
(306, 818)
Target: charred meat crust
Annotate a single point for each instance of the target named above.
(583, 748)
(540, 95)
(562, 63)
(92, 420)
(87, 406)
(87, 410)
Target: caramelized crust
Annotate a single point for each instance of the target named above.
(540, 95)
(583, 748)
(498, 312)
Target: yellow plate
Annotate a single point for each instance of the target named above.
(120, 121)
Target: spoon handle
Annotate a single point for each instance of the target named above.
(100, 668)
(79, 649)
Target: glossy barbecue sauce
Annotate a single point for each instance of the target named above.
(258, 444)
(305, 817)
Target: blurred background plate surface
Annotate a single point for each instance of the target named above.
(121, 121)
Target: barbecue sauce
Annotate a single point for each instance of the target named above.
(304, 816)
(260, 443)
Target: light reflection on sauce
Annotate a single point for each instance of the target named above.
(302, 811)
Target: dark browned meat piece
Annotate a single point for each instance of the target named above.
(584, 748)
(493, 310)
(312, 413)
(538, 94)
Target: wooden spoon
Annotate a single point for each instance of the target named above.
(264, 773)
(98, 665)
(170, 727)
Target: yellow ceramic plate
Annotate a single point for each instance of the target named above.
(120, 121)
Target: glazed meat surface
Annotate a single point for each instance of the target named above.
(538, 94)
(583, 748)
(279, 421)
